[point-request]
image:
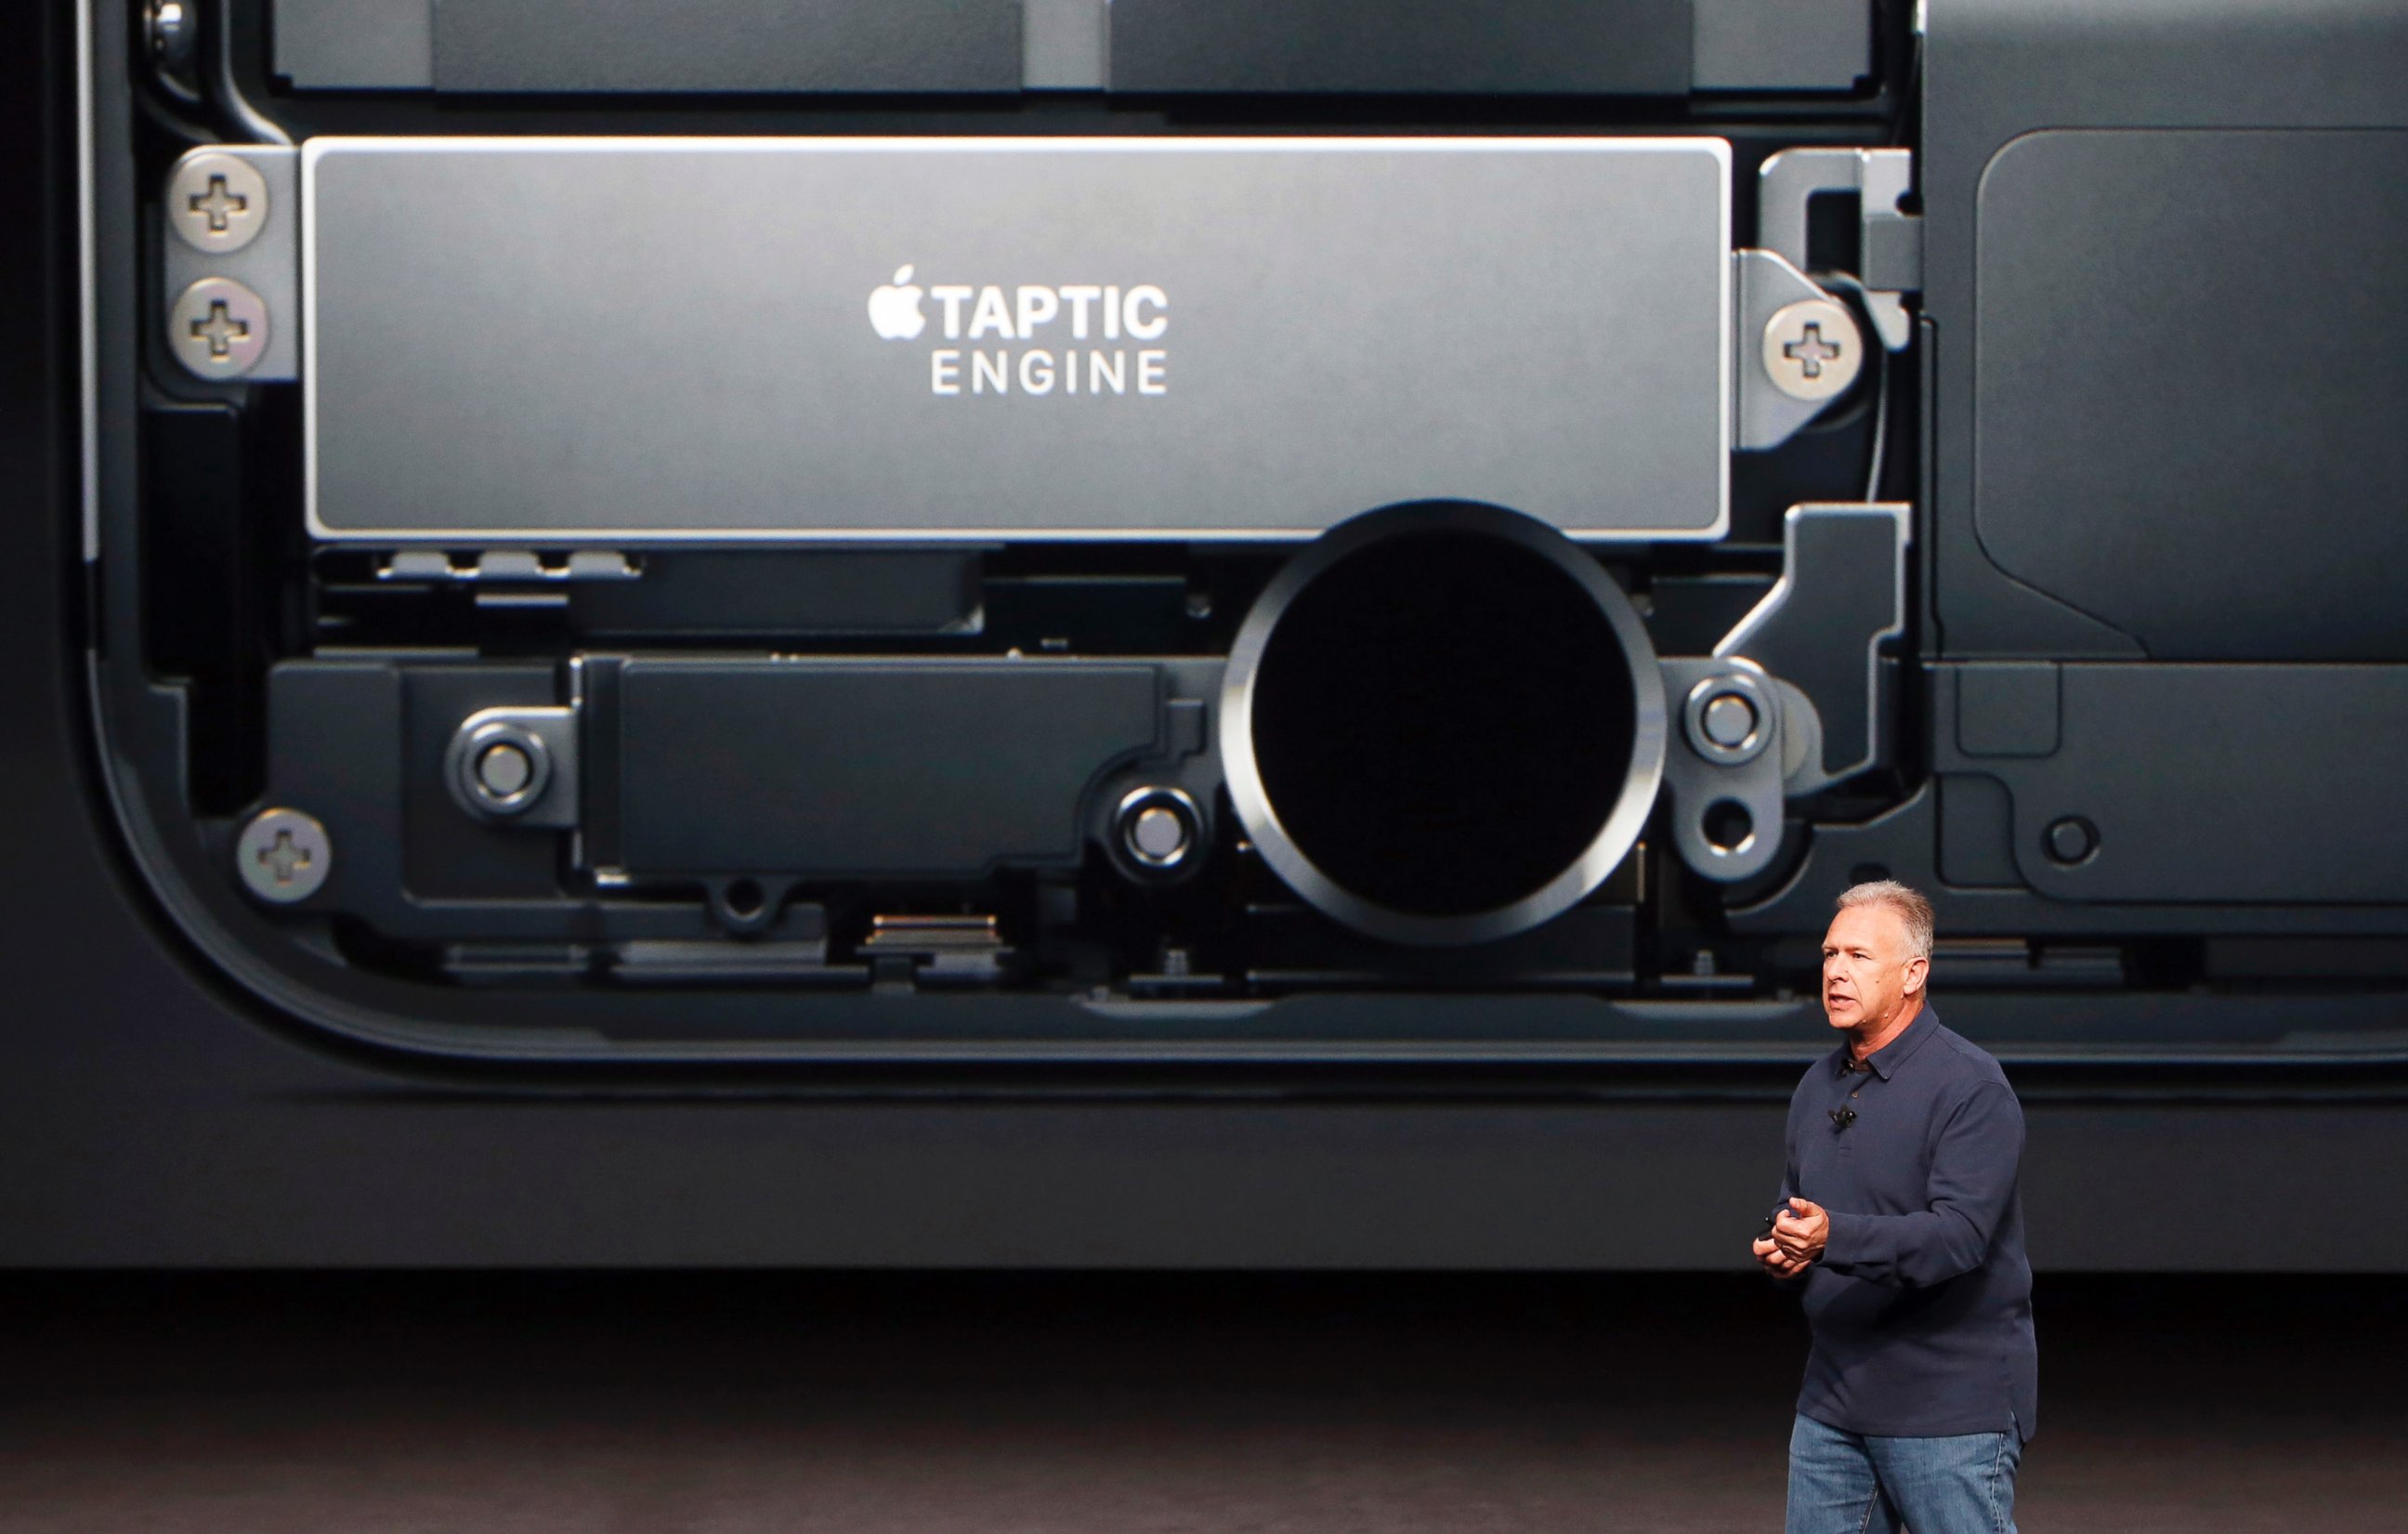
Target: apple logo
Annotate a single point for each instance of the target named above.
(895, 312)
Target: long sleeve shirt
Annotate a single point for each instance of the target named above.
(1920, 1304)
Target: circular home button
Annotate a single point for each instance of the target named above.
(1442, 723)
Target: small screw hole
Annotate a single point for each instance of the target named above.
(1728, 824)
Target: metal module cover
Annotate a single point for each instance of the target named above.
(875, 337)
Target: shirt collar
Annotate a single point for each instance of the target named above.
(1886, 1060)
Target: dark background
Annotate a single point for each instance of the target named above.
(1131, 1402)
(150, 1116)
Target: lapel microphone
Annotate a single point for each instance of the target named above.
(1843, 1116)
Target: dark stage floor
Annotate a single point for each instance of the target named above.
(1131, 1404)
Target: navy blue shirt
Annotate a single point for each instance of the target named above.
(1921, 1304)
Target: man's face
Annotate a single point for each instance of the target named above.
(1868, 977)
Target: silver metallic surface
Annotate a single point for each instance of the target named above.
(1729, 717)
(1889, 239)
(1159, 826)
(1812, 349)
(1763, 414)
(1730, 721)
(283, 856)
(173, 33)
(485, 772)
(1706, 774)
(1156, 834)
(532, 340)
(1260, 818)
(1816, 772)
(216, 202)
(218, 328)
(506, 770)
(508, 565)
(485, 784)
(268, 262)
(1802, 742)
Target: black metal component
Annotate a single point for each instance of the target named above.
(949, 46)
(874, 769)
(812, 783)
(1554, 46)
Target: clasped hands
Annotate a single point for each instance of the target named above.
(1797, 1236)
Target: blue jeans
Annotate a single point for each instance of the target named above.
(1850, 1482)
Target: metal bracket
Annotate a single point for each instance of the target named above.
(230, 263)
(1724, 781)
(1791, 702)
(1842, 591)
(1890, 241)
(508, 565)
(1771, 294)
(516, 765)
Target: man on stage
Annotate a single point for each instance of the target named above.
(1899, 1213)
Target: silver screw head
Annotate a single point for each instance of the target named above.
(1730, 719)
(504, 769)
(1159, 827)
(216, 202)
(1812, 349)
(498, 768)
(218, 328)
(1158, 835)
(283, 855)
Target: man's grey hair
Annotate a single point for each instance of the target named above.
(1912, 909)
